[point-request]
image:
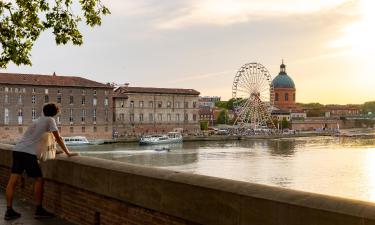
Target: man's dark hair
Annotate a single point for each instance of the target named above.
(50, 109)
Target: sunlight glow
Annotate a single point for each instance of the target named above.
(369, 170)
(359, 37)
(225, 12)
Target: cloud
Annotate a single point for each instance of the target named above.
(226, 12)
(202, 76)
(357, 36)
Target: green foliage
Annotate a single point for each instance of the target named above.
(222, 104)
(314, 113)
(314, 105)
(312, 109)
(22, 22)
(284, 123)
(368, 107)
(204, 125)
(228, 104)
(223, 117)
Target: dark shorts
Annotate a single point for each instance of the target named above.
(26, 162)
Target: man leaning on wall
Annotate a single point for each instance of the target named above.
(25, 159)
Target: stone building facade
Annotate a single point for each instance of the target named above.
(208, 102)
(207, 114)
(142, 110)
(85, 105)
(342, 110)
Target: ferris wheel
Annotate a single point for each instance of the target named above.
(253, 96)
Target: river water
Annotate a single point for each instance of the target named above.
(328, 165)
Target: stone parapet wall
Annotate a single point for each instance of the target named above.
(95, 191)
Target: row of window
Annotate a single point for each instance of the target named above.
(46, 91)
(286, 97)
(159, 104)
(71, 129)
(206, 116)
(157, 117)
(83, 129)
(58, 99)
(83, 115)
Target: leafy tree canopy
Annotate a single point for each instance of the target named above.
(284, 123)
(204, 125)
(222, 104)
(223, 117)
(22, 21)
(369, 107)
(314, 105)
(229, 104)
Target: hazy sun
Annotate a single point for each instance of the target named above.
(360, 36)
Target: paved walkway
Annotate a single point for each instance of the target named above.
(27, 210)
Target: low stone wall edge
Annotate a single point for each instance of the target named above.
(196, 198)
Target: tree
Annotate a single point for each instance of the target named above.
(22, 22)
(223, 117)
(284, 123)
(222, 104)
(314, 113)
(204, 125)
(229, 104)
(369, 107)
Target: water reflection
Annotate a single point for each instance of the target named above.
(160, 159)
(149, 155)
(282, 147)
(328, 165)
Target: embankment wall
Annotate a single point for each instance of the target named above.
(87, 190)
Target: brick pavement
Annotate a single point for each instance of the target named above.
(27, 210)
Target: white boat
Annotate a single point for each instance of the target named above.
(96, 142)
(171, 137)
(76, 140)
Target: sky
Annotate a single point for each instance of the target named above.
(327, 46)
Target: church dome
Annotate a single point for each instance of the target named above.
(283, 80)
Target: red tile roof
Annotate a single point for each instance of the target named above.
(127, 90)
(342, 107)
(205, 111)
(48, 80)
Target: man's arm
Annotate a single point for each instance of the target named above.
(61, 142)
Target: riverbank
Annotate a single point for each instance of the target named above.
(238, 137)
(225, 137)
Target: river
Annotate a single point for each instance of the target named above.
(328, 165)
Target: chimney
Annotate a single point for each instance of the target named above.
(54, 74)
(126, 85)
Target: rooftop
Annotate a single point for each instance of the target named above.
(49, 80)
(151, 90)
(282, 80)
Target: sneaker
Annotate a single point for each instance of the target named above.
(41, 213)
(11, 214)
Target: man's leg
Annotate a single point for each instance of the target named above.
(10, 214)
(38, 191)
(11, 187)
(38, 196)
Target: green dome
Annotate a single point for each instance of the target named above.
(283, 80)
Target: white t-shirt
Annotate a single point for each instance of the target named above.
(30, 141)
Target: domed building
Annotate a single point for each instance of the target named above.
(284, 90)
